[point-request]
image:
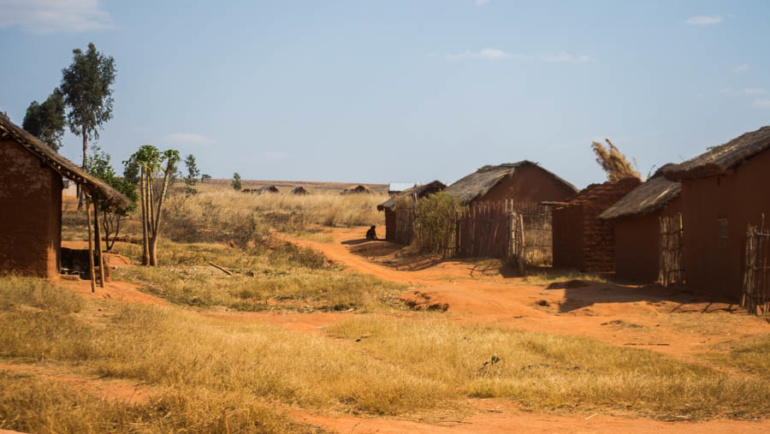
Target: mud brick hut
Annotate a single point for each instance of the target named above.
(524, 181)
(395, 188)
(723, 191)
(581, 240)
(268, 189)
(392, 213)
(31, 201)
(356, 189)
(636, 220)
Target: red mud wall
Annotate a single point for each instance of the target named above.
(30, 213)
(713, 266)
(637, 245)
(567, 237)
(529, 184)
(390, 225)
(597, 238)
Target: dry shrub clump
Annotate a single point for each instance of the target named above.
(549, 372)
(613, 162)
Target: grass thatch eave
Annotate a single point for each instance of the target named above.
(722, 159)
(651, 196)
(478, 183)
(64, 167)
(419, 191)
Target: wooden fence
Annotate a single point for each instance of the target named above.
(505, 229)
(671, 266)
(406, 214)
(755, 295)
(485, 230)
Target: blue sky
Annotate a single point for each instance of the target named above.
(403, 90)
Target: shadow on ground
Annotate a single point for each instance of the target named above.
(579, 294)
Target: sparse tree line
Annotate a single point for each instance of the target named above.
(83, 102)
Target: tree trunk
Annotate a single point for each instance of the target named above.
(145, 217)
(90, 248)
(154, 251)
(81, 196)
(99, 256)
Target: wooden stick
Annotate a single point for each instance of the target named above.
(226, 271)
(90, 247)
(97, 233)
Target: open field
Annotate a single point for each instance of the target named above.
(316, 329)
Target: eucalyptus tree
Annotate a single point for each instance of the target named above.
(87, 88)
(155, 170)
(46, 121)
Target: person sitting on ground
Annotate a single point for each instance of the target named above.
(371, 234)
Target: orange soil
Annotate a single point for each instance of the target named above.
(471, 296)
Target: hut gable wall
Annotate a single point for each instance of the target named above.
(597, 240)
(30, 213)
(529, 183)
(714, 264)
(637, 244)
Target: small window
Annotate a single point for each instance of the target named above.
(722, 233)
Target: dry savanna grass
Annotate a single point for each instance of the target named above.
(215, 375)
(283, 277)
(548, 372)
(199, 364)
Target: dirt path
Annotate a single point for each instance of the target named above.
(620, 315)
(130, 392)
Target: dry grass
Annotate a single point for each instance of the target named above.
(546, 278)
(202, 360)
(546, 372)
(285, 277)
(750, 355)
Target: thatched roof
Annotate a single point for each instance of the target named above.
(357, 189)
(61, 165)
(268, 189)
(479, 183)
(418, 191)
(300, 190)
(649, 197)
(721, 159)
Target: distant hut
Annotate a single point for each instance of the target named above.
(581, 240)
(391, 212)
(300, 191)
(723, 191)
(395, 188)
(356, 189)
(524, 181)
(636, 220)
(31, 201)
(268, 189)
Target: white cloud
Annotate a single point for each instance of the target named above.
(762, 103)
(703, 20)
(564, 57)
(741, 68)
(276, 155)
(54, 16)
(754, 91)
(188, 139)
(485, 54)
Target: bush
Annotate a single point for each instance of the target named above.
(436, 219)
